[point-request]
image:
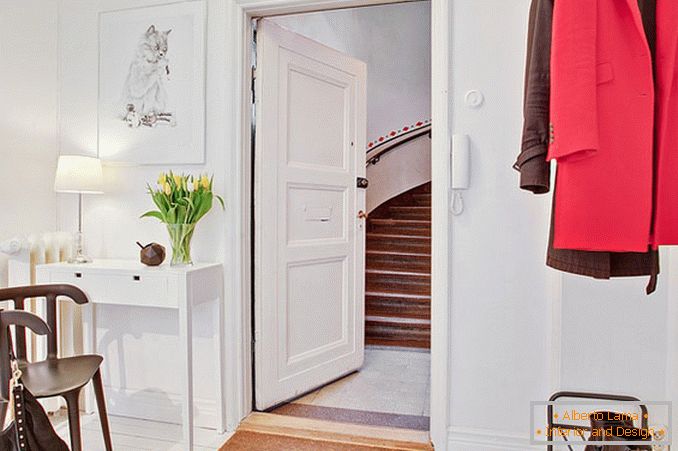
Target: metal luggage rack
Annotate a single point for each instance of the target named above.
(590, 396)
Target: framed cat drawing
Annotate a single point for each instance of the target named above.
(152, 84)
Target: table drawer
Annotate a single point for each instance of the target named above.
(94, 285)
(141, 289)
(123, 288)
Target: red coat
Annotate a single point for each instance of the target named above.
(604, 118)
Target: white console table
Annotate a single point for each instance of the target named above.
(129, 283)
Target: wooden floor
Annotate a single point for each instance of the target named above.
(138, 435)
(270, 432)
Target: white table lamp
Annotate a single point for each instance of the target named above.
(79, 175)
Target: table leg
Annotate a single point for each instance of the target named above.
(89, 347)
(221, 370)
(186, 346)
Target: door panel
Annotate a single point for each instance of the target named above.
(312, 96)
(309, 205)
(309, 242)
(308, 281)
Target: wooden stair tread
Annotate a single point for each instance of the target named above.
(393, 272)
(377, 304)
(398, 236)
(391, 221)
(399, 343)
(402, 246)
(408, 308)
(395, 331)
(387, 294)
(421, 209)
(395, 320)
(397, 314)
(400, 265)
(412, 291)
(399, 253)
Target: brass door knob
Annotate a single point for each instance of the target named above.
(362, 215)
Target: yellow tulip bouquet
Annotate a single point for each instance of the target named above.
(182, 200)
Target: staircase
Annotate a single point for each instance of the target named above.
(398, 271)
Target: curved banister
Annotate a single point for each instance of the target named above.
(386, 144)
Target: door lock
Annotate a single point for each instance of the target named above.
(362, 215)
(362, 182)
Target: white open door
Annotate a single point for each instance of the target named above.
(309, 240)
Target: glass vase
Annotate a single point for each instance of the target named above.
(180, 239)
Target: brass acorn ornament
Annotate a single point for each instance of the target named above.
(152, 254)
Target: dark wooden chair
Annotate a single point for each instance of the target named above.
(54, 376)
(13, 318)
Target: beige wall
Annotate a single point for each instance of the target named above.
(28, 122)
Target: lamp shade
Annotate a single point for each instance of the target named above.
(78, 174)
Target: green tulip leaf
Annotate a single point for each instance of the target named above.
(153, 214)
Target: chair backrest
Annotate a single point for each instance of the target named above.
(21, 319)
(50, 292)
(553, 425)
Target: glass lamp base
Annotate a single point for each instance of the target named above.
(80, 259)
(78, 252)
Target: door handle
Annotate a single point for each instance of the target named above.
(363, 215)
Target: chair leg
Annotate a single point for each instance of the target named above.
(101, 406)
(72, 403)
(4, 406)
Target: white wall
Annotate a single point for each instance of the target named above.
(520, 330)
(139, 345)
(396, 172)
(501, 301)
(395, 43)
(28, 122)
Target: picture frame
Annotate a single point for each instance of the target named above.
(151, 101)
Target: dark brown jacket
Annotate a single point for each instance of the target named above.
(535, 171)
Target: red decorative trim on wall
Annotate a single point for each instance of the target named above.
(393, 134)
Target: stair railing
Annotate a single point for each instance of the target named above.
(389, 143)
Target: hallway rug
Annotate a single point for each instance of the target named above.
(416, 422)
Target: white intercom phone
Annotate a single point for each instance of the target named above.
(461, 171)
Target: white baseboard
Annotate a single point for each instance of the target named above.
(469, 439)
(158, 406)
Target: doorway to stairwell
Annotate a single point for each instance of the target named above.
(342, 274)
(398, 272)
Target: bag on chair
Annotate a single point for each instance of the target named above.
(615, 422)
(30, 428)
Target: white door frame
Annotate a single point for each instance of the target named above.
(238, 15)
